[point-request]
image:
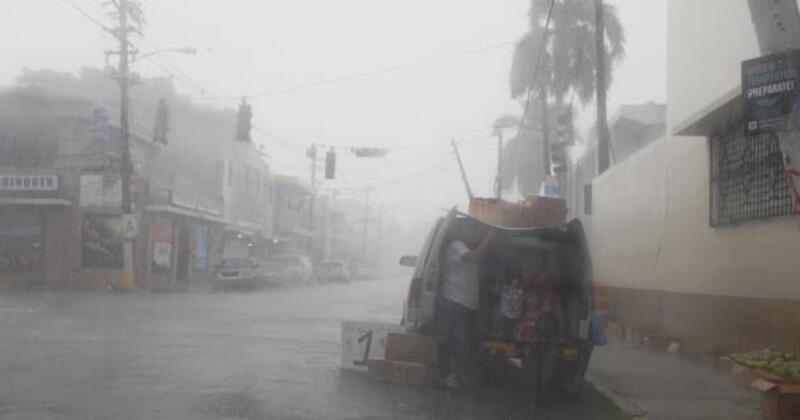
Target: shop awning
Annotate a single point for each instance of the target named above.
(185, 212)
(715, 118)
(15, 201)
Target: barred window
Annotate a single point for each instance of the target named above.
(747, 178)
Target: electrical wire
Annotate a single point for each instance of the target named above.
(545, 34)
(87, 15)
(384, 70)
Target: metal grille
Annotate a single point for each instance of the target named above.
(747, 178)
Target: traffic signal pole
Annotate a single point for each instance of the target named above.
(126, 167)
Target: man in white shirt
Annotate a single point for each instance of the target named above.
(461, 295)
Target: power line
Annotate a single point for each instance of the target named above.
(536, 67)
(389, 69)
(87, 15)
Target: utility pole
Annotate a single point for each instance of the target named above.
(545, 131)
(312, 154)
(499, 178)
(603, 136)
(366, 225)
(379, 235)
(126, 167)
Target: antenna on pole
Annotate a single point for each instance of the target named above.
(461, 167)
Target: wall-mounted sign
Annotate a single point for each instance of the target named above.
(770, 93)
(28, 182)
(100, 191)
(161, 234)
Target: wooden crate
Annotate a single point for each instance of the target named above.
(411, 348)
(394, 371)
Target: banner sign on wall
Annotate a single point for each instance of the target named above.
(770, 93)
(201, 247)
(162, 242)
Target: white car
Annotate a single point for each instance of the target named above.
(293, 269)
(238, 273)
(334, 271)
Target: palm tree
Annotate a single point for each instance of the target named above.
(568, 61)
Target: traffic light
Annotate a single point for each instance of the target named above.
(564, 129)
(558, 157)
(162, 123)
(243, 118)
(330, 164)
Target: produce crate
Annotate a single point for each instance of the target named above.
(779, 401)
(411, 348)
(394, 371)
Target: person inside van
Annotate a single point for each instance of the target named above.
(460, 298)
(541, 321)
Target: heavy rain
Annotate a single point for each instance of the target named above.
(360, 209)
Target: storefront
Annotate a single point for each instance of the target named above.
(31, 212)
(183, 247)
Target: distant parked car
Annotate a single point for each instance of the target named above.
(238, 273)
(334, 271)
(292, 269)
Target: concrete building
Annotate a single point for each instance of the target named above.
(632, 127)
(697, 249)
(199, 197)
(292, 220)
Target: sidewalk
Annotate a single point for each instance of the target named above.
(666, 387)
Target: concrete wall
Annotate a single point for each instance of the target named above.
(650, 233)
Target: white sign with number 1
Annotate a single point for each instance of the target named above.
(362, 341)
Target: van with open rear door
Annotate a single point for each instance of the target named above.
(549, 350)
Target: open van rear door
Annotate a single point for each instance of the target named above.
(432, 273)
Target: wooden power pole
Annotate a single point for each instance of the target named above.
(603, 136)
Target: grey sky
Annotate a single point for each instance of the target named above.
(251, 46)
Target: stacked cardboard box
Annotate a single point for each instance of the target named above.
(409, 360)
(534, 211)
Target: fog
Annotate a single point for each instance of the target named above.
(286, 209)
(445, 88)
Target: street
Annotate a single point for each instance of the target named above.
(268, 355)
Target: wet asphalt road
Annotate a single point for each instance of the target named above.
(268, 355)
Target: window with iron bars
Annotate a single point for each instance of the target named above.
(747, 178)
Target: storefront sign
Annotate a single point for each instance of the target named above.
(28, 182)
(100, 191)
(162, 242)
(770, 93)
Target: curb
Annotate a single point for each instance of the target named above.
(628, 408)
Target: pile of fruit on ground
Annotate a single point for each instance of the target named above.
(776, 362)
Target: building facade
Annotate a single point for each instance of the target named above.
(702, 253)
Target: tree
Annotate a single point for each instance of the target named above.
(566, 68)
